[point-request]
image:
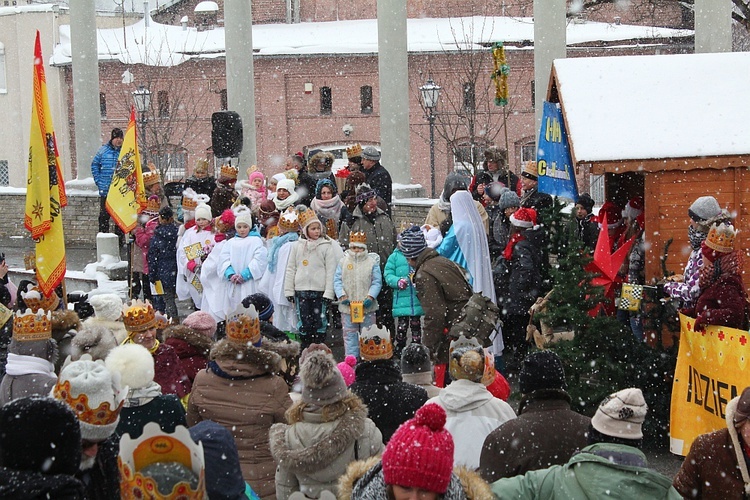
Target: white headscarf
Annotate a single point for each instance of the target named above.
(472, 240)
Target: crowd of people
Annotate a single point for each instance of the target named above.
(248, 390)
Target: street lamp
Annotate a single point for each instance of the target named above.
(142, 98)
(430, 95)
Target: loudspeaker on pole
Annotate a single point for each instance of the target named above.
(226, 134)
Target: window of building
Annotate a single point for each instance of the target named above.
(326, 102)
(469, 97)
(4, 173)
(224, 99)
(533, 95)
(102, 104)
(466, 157)
(365, 99)
(528, 152)
(172, 161)
(162, 98)
(3, 77)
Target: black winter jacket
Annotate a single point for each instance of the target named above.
(162, 257)
(519, 282)
(390, 401)
(380, 180)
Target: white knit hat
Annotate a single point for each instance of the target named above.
(134, 364)
(99, 412)
(203, 211)
(242, 215)
(621, 414)
(287, 184)
(107, 306)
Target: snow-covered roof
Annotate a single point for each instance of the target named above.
(171, 45)
(207, 6)
(23, 9)
(657, 106)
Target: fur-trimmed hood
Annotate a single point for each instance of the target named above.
(63, 321)
(199, 341)
(325, 156)
(350, 413)
(285, 349)
(95, 340)
(245, 359)
(731, 409)
(364, 480)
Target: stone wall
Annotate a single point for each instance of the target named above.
(80, 218)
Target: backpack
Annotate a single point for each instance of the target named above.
(479, 319)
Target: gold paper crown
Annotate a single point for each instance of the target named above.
(189, 201)
(243, 326)
(156, 446)
(289, 221)
(721, 238)
(35, 300)
(375, 343)
(139, 316)
(358, 237)
(103, 414)
(29, 326)
(352, 151)
(151, 176)
(153, 205)
(306, 216)
(229, 172)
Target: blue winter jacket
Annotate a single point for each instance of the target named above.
(103, 167)
(162, 256)
(405, 302)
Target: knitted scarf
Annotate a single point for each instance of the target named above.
(328, 209)
(276, 244)
(508, 252)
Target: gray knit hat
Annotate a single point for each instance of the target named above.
(621, 414)
(370, 153)
(322, 382)
(704, 208)
(412, 242)
(415, 359)
(509, 199)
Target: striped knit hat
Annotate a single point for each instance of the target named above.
(412, 242)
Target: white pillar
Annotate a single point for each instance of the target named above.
(393, 70)
(549, 44)
(713, 26)
(88, 127)
(107, 244)
(238, 38)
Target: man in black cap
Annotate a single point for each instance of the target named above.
(103, 168)
(547, 432)
(376, 175)
(584, 225)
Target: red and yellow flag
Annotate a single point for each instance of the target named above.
(127, 196)
(45, 188)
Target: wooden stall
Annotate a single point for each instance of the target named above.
(671, 128)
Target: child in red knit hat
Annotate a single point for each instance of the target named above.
(418, 460)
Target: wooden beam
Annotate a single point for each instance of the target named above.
(667, 164)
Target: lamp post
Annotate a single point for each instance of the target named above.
(142, 98)
(430, 95)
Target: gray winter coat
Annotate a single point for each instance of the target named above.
(24, 385)
(318, 445)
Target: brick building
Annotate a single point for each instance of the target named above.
(316, 84)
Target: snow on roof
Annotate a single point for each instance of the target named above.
(171, 45)
(23, 9)
(655, 106)
(206, 6)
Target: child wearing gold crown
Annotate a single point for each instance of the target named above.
(272, 282)
(357, 283)
(308, 281)
(722, 299)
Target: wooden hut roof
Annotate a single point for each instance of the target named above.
(655, 112)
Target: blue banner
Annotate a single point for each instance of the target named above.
(554, 163)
